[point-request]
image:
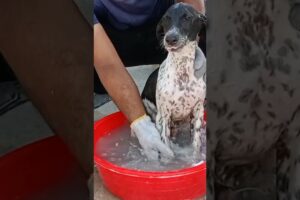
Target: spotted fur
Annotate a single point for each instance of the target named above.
(179, 86)
(180, 93)
(254, 100)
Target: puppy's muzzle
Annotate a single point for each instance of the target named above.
(172, 39)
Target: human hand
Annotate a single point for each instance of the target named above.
(149, 139)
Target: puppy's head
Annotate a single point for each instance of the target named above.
(180, 24)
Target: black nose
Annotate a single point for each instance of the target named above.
(172, 39)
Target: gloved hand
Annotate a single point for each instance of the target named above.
(149, 138)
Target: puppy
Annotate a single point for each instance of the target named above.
(175, 93)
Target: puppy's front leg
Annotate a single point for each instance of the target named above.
(163, 127)
(198, 131)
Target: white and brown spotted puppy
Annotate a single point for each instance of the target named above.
(254, 100)
(179, 86)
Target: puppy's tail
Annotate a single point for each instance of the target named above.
(150, 109)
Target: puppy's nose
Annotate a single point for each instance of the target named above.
(172, 39)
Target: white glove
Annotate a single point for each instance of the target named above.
(149, 138)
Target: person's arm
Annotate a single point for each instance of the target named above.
(198, 4)
(115, 77)
(125, 94)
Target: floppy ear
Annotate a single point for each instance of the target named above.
(160, 31)
(198, 25)
(203, 20)
(201, 23)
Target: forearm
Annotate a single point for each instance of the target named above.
(115, 77)
(198, 4)
(123, 91)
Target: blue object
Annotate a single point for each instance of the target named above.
(124, 14)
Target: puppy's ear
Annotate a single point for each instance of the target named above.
(160, 31)
(198, 25)
(202, 33)
(201, 23)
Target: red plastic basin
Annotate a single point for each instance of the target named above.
(42, 170)
(128, 184)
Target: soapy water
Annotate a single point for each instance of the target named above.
(122, 149)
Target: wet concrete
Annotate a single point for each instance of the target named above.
(100, 192)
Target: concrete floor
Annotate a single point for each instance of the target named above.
(24, 125)
(21, 126)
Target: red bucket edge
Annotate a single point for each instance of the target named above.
(132, 172)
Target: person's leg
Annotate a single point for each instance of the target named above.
(49, 47)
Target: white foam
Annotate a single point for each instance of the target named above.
(123, 150)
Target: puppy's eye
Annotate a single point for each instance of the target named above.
(187, 17)
(167, 18)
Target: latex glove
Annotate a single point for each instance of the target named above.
(149, 138)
